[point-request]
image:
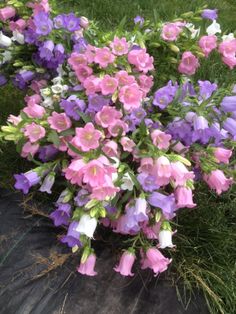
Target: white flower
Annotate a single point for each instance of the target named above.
(4, 40)
(7, 56)
(165, 239)
(213, 28)
(57, 80)
(141, 209)
(57, 89)
(45, 92)
(48, 102)
(60, 70)
(116, 162)
(87, 225)
(19, 37)
(230, 36)
(127, 182)
(194, 32)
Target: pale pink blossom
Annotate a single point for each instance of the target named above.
(161, 139)
(75, 171)
(146, 165)
(184, 197)
(189, 63)
(59, 121)
(119, 46)
(207, 44)
(104, 57)
(83, 72)
(87, 138)
(110, 148)
(163, 167)
(124, 78)
(155, 260)
(130, 96)
(29, 149)
(180, 174)
(76, 59)
(34, 132)
(92, 85)
(222, 154)
(171, 31)
(107, 116)
(87, 268)
(141, 59)
(108, 85)
(118, 128)
(218, 181)
(127, 144)
(18, 25)
(126, 264)
(7, 13)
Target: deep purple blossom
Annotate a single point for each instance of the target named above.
(206, 89)
(165, 202)
(3, 80)
(43, 24)
(210, 14)
(61, 215)
(25, 181)
(47, 152)
(23, 78)
(187, 89)
(72, 106)
(82, 198)
(72, 236)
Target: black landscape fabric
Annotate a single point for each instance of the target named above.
(38, 275)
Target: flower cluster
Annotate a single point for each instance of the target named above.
(128, 159)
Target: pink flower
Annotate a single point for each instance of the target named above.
(163, 167)
(127, 144)
(184, 197)
(87, 138)
(119, 46)
(171, 31)
(180, 174)
(37, 85)
(207, 44)
(76, 59)
(118, 128)
(230, 61)
(146, 165)
(107, 116)
(217, 181)
(64, 140)
(75, 171)
(7, 13)
(126, 264)
(110, 148)
(59, 121)
(161, 139)
(108, 85)
(141, 59)
(222, 154)
(146, 83)
(18, 25)
(34, 111)
(103, 192)
(130, 96)
(29, 149)
(228, 48)
(94, 173)
(34, 132)
(83, 72)
(124, 78)
(189, 63)
(15, 120)
(103, 57)
(155, 260)
(92, 85)
(87, 268)
(90, 53)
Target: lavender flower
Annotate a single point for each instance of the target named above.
(23, 78)
(59, 21)
(46, 50)
(25, 181)
(72, 237)
(165, 95)
(72, 105)
(210, 14)
(138, 115)
(59, 53)
(96, 103)
(61, 215)
(148, 182)
(230, 126)
(165, 202)
(3, 80)
(47, 152)
(206, 89)
(201, 132)
(229, 104)
(43, 24)
(82, 198)
(72, 23)
(139, 20)
(48, 183)
(81, 45)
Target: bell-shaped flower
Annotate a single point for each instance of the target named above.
(87, 268)
(87, 225)
(126, 263)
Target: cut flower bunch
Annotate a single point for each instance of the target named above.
(127, 154)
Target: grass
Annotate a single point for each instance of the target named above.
(206, 241)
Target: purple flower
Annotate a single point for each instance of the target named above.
(187, 90)
(72, 105)
(217, 133)
(30, 36)
(138, 115)
(59, 53)
(206, 89)
(82, 198)
(43, 24)
(230, 126)
(46, 50)
(201, 132)
(61, 215)
(139, 19)
(81, 45)
(25, 181)
(229, 104)
(130, 122)
(72, 23)
(96, 102)
(165, 202)
(111, 209)
(148, 182)
(23, 78)
(3, 80)
(181, 130)
(72, 237)
(210, 14)
(59, 21)
(148, 123)
(165, 95)
(47, 152)
(48, 183)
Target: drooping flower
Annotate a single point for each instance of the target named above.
(48, 183)
(165, 239)
(222, 154)
(61, 215)
(184, 197)
(87, 225)
(87, 268)
(161, 139)
(217, 181)
(25, 181)
(155, 260)
(7, 13)
(72, 238)
(214, 28)
(126, 263)
(165, 202)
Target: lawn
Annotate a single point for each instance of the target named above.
(206, 241)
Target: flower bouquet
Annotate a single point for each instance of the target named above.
(125, 140)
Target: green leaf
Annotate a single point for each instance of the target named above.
(85, 254)
(76, 150)
(84, 117)
(54, 138)
(67, 132)
(20, 144)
